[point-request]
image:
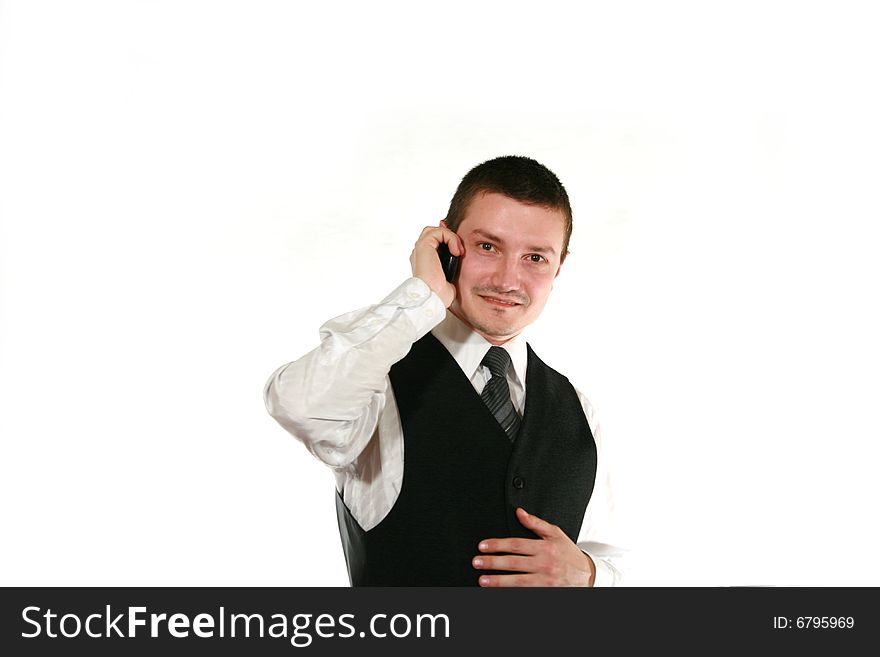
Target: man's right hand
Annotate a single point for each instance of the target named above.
(426, 263)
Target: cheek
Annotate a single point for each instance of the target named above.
(471, 273)
(539, 288)
(473, 264)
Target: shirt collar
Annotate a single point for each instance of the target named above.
(468, 347)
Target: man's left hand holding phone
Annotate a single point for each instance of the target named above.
(434, 267)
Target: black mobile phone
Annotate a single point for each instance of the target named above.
(448, 261)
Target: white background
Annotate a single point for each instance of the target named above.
(189, 189)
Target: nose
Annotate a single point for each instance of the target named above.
(505, 276)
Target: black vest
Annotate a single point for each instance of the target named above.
(463, 478)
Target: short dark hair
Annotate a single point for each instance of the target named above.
(517, 177)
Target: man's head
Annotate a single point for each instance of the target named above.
(517, 177)
(514, 219)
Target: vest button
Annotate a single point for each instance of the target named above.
(519, 483)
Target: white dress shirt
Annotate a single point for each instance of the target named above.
(338, 401)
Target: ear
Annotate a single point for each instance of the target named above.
(443, 223)
(558, 269)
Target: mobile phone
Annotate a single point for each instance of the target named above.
(448, 261)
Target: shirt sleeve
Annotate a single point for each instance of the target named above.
(601, 535)
(331, 398)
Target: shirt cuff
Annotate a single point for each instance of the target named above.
(604, 573)
(421, 306)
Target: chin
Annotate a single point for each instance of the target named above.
(497, 330)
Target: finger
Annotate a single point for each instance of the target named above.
(506, 562)
(541, 527)
(529, 546)
(511, 580)
(437, 235)
(456, 246)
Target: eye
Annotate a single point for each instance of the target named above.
(536, 258)
(485, 246)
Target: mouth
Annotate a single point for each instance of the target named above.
(499, 303)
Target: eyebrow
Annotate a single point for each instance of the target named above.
(494, 238)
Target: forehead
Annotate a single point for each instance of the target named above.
(514, 221)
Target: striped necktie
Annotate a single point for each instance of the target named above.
(496, 394)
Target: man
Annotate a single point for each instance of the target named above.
(460, 457)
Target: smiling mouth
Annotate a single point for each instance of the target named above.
(501, 303)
